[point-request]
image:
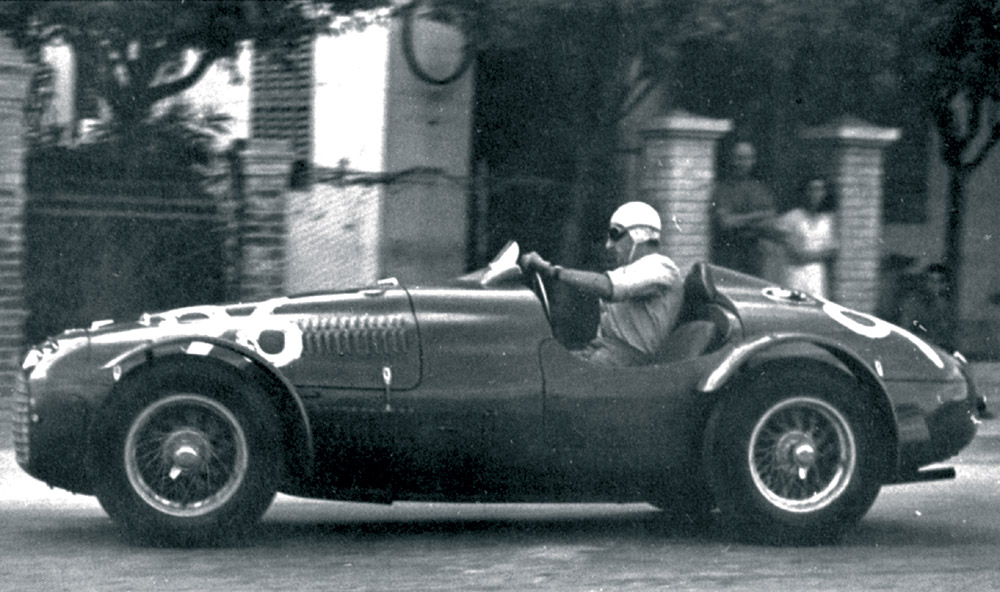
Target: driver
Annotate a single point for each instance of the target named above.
(640, 298)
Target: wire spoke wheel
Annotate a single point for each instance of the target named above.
(189, 453)
(795, 454)
(186, 455)
(802, 454)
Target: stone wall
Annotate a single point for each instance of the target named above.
(428, 131)
(851, 155)
(678, 175)
(260, 219)
(14, 77)
(333, 236)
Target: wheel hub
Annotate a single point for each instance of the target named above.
(185, 450)
(802, 455)
(796, 453)
(186, 455)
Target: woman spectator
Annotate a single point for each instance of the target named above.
(807, 236)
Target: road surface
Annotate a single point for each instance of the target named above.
(933, 536)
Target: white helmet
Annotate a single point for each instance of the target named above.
(640, 219)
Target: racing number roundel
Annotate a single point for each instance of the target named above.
(277, 341)
(875, 328)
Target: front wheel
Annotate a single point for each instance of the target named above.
(793, 458)
(190, 455)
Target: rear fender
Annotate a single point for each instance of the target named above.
(294, 418)
(808, 347)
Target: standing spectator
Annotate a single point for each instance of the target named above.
(741, 207)
(807, 239)
(923, 309)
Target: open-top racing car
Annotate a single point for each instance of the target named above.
(778, 411)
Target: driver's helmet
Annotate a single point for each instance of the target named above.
(641, 220)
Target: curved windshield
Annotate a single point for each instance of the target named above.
(501, 269)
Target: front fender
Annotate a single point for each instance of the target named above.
(817, 348)
(236, 356)
(742, 353)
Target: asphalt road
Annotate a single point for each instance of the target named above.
(934, 536)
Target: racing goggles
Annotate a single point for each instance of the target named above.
(616, 233)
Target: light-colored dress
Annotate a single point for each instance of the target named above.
(809, 239)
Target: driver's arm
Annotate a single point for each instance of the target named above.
(598, 284)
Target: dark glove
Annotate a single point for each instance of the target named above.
(534, 262)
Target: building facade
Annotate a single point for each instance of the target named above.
(14, 79)
(395, 189)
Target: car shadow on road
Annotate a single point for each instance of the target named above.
(91, 533)
(636, 530)
(485, 530)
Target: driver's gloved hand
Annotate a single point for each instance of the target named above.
(534, 262)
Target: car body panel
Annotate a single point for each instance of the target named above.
(614, 433)
(479, 406)
(346, 340)
(461, 392)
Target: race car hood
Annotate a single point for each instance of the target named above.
(894, 353)
(364, 329)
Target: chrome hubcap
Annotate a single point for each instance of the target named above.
(186, 455)
(802, 454)
(185, 450)
(795, 453)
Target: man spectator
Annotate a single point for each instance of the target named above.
(741, 208)
(924, 308)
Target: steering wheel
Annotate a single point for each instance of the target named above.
(538, 286)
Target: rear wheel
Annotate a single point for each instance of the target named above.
(793, 458)
(191, 455)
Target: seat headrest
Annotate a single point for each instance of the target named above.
(699, 286)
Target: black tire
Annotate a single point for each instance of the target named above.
(189, 455)
(793, 458)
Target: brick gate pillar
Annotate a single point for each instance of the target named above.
(261, 226)
(850, 153)
(677, 177)
(15, 74)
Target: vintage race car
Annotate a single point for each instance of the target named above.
(768, 410)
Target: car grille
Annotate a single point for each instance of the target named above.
(21, 420)
(356, 335)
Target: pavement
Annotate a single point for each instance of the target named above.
(985, 375)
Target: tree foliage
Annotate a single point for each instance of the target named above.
(964, 82)
(140, 47)
(799, 61)
(963, 98)
(796, 62)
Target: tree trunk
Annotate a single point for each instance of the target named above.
(953, 257)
